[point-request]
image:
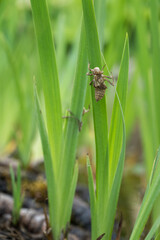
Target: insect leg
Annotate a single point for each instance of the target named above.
(103, 67)
(90, 74)
(74, 117)
(105, 76)
(89, 67)
(86, 110)
(105, 79)
(91, 82)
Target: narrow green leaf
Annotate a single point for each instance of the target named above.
(155, 168)
(153, 230)
(157, 237)
(68, 209)
(16, 190)
(150, 196)
(91, 33)
(145, 211)
(99, 108)
(116, 132)
(100, 13)
(72, 129)
(92, 201)
(19, 181)
(76, 108)
(50, 80)
(114, 193)
(51, 181)
(155, 85)
(12, 180)
(155, 59)
(153, 175)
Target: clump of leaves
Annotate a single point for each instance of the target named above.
(17, 196)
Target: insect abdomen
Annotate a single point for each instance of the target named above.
(99, 93)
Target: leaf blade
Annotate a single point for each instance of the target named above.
(50, 80)
(115, 133)
(51, 180)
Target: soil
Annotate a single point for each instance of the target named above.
(33, 221)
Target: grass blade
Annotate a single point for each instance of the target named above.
(150, 196)
(50, 82)
(77, 103)
(100, 13)
(116, 132)
(155, 58)
(153, 230)
(71, 132)
(92, 200)
(155, 168)
(99, 108)
(114, 193)
(51, 181)
(69, 202)
(16, 190)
